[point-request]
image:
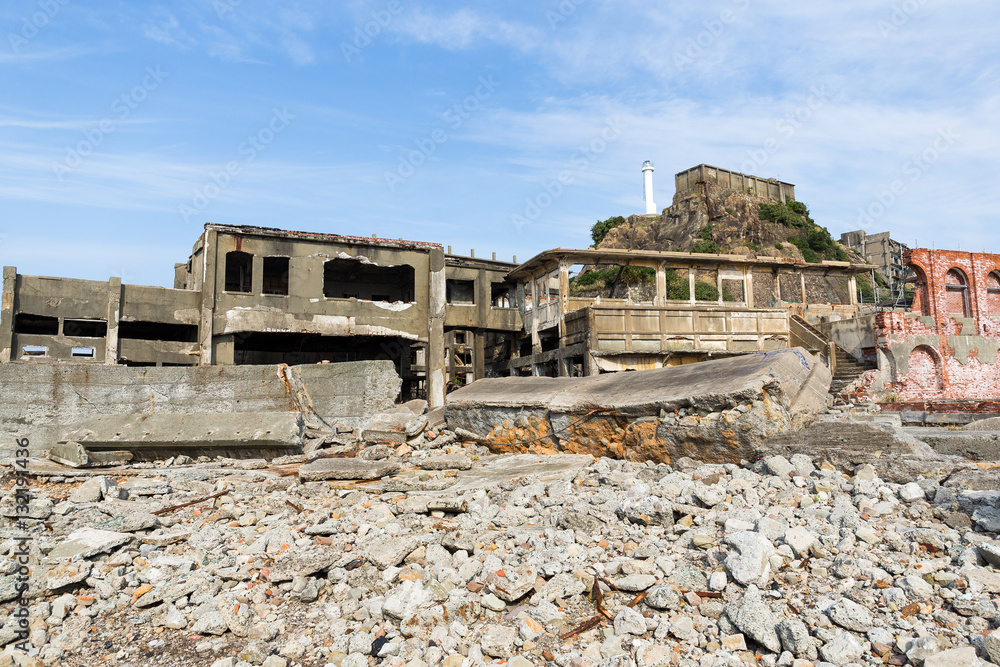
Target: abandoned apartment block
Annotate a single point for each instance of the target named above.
(250, 295)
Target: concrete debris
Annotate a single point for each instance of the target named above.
(455, 556)
(716, 411)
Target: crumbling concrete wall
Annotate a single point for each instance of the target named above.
(715, 410)
(39, 402)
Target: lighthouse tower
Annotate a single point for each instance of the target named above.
(647, 187)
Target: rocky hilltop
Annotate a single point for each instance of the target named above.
(719, 219)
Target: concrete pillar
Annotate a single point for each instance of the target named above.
(852, 284)
(718, 283)
(437, 381)
(206, 322)
(661, 285)
(748, 287)
(479, 354)
(802, 280)
(257, 274)
(691, 284)
(7, 313)
(114, 317)
(535, 308)
(777, 285)
(225, 350)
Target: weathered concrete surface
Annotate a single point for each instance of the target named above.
(164, 435)
(977, 445)
(323, 469)
(714, 410)
(41, 400)
(849, 441)
(988, 424)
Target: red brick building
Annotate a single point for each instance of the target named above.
(947, 346)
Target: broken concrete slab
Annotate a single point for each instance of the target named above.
(849, 441)
(973, 444)
(398, 426)
(351, 469)
(988, 424)
(88, 542)
(449, 462)
(75, 455)
(715, 411)
(159, 436)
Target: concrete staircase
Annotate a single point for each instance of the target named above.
(846, 368)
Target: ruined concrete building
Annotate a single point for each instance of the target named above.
(250, 295)
(684, 307)
(946, 346)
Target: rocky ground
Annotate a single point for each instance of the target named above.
(445, 554)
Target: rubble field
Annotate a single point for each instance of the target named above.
(445, 554)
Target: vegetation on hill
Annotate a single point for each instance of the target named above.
(602, 227)
(813, 241)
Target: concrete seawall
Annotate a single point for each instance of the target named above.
(40, 401)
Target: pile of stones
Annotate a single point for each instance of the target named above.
(442, 554)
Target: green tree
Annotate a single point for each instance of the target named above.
(602, 227)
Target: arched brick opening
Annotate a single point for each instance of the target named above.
(956, 293)
(924, 372)
(993, 293)
(920, 302)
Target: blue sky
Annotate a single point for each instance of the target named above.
(501, 126)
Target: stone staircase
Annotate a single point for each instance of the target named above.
(848, 369)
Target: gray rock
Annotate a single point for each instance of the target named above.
(647, 510)
(451, 462)
(991, 644)
(844, 649)
(990, 552)
(628, 621)
(210, 623)
(794, 636)
(662, 597)
(748, 560)
(515, 584)
(498, 641)
(91, 491)
(754, 619)
(779, 467)
(635, 583)
(390, 551)
(921, 649)
(324, 469)
(850, 615)
(915, 587)
(954, 657)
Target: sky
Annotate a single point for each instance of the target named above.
(507, 127)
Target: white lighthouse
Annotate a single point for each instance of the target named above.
(647, 187)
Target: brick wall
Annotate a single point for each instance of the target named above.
(948, 346)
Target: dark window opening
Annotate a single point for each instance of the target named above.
(460, 338)
(348, 278)
(275, 275)
(39, 325)
(460, 291)
(85, 328)
(500, 295)
(178, 333)
(239, 271)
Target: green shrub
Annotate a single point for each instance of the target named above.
(602, 227)
(631, 275)
(707, 247)
(779, 245)
(706, 292)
